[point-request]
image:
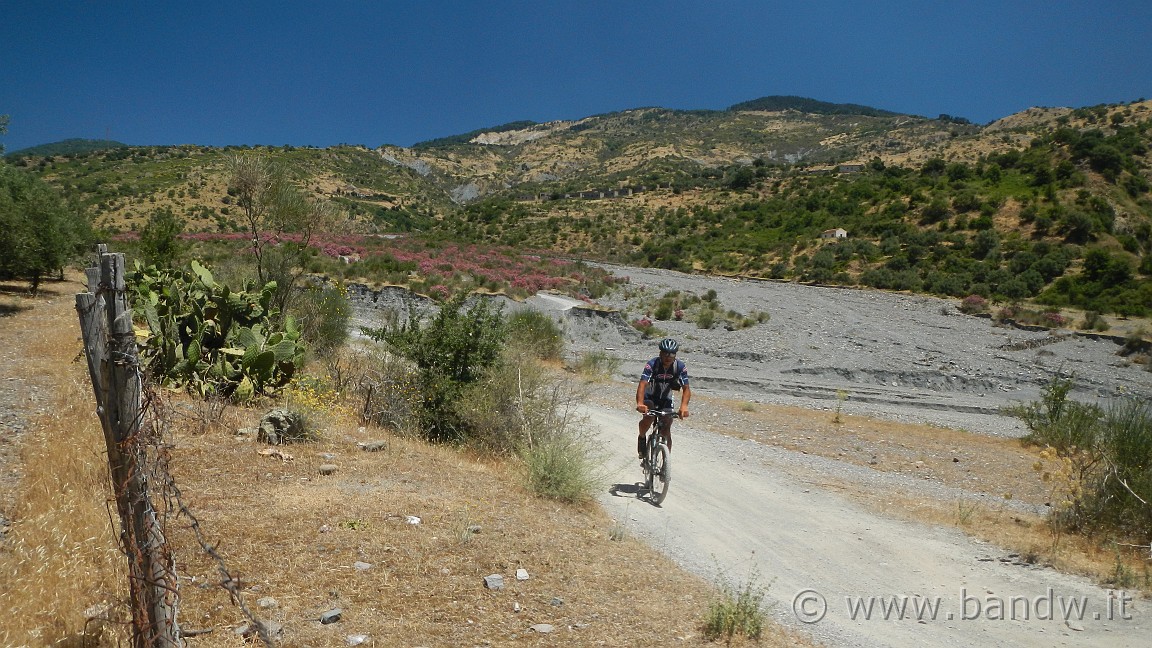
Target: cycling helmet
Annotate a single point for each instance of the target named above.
(669, 345)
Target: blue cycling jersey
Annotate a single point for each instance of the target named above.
(663, 380)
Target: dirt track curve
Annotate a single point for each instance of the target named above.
(742, 506)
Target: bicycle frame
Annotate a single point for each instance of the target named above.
(657, 472)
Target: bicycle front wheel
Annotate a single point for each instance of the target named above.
(660, 474)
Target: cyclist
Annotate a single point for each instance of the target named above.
(661, 376)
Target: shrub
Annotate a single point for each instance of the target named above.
(597, 364)
(1058, 421)
(1093, 321)
(1105, 456)
(974, 304)
(323, 312)
(536, 333)
(706, 319)
(663, 310)
(511, 404)
(736, 611)
(563, 464)
(387, 390)
(453, 350)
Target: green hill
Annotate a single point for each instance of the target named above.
(803, 104)
(68, 147)
(1049, 204)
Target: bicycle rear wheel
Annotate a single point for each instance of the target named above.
(659, 474)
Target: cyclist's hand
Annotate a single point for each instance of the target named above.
(643, 409)
(683, 412)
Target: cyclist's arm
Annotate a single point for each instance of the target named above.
(640, 390)
(685, 396)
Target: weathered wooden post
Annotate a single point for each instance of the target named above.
(113, 365)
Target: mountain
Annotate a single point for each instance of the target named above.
(1009, 209)
(805, 105)
(68, 147)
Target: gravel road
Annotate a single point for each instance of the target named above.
(743, 507)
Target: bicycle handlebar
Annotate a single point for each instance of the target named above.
(672, 413)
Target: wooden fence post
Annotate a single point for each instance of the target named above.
(113, 365)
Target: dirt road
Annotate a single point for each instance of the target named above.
(839, 571)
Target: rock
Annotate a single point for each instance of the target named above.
(267, 603)
(355, 640)
(373, 446)
(331, 616)
(327, 469)
(279, 426)
(494, 582)
(557, 601)
(360, 565)
(542, 628)
(521, 574)
(412, 519)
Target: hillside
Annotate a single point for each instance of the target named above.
(1006, 210)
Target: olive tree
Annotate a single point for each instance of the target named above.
(39, 230)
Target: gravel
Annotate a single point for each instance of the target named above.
(907, 358)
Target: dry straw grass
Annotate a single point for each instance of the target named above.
(59, 558)
(293, 537)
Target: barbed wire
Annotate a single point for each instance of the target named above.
(157, 459)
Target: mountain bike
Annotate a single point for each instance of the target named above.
(656, 467)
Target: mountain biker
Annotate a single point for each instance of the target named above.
(661, 376)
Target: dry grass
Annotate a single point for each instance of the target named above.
(59, 558)
(293, 537)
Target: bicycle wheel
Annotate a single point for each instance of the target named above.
(659, 474)
(649, 452)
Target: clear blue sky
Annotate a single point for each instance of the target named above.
(381, 72)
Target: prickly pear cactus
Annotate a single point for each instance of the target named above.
(202, 336)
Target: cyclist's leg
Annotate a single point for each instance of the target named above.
(645, 424)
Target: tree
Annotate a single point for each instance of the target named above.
(160, 239)
(3, 129)
(39, 231)
(280, 220)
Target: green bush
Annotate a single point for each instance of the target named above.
(450, 352)
(1110, 451)
(598, 364)
(1058, 421)
(536, 333)
(160, 243)
(706, 319)
(563, 464)
(1124, 494)
(323, 312)
(736, 611)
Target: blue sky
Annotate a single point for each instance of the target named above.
(372, 73)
